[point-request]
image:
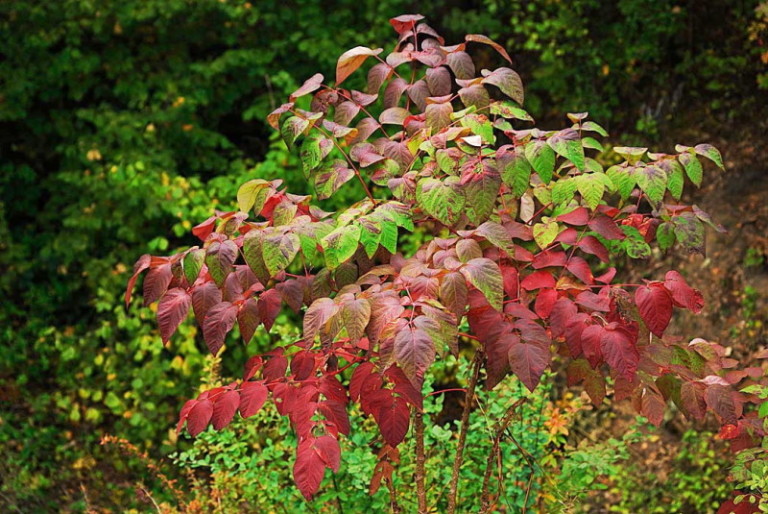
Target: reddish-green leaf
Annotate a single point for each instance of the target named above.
(485, 275)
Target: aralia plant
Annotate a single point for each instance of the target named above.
(518, 227)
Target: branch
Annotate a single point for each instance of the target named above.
(469, 399)
(500, 428)
(421, 490)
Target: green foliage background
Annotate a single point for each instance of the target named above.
(123, 121)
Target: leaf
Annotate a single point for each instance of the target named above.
(393, 116)
(692, 399)
(567, 143)
(683, 294)
(443, 200)
(199, 417)
(479, 38)
(542, 158)
(204, 297)
(594, 127)
(453, 293)
(192, 264)
(328, 449)
(655, 306)
(219, 258)
(313, 83)
(720, 401)
(330, 179)
(308, 470)
(652, 406)
(393, 417)
(313, 150)
(508, 81)
(689, 232)
(356, 314)
(498, 236)
(156, 283)
(224, 409)
(171, 311)
(468, 249)
(485, 275)
(405, 22)
(606, 227)
(461, 65)
(711, 153)
(351, 60)
(692, 167)
(631, 154)
(623, 179)
(219, 321)
(507, 109)
(652, 180)
(591, 188)
(278, 251)
(481, 193)
(317, 315)
(340, 245)
(292, 128)
(665, 235)
(618, 347)
(563, 190)
(414, 352)
(141, 264)
(248, 319)
(515, 170)
(545, 233)
(528, 362)
(253, 395)
(474, 96)
(438, 116)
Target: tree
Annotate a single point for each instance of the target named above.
(517, 225)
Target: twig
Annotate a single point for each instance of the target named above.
(499, 430)
(469, 400)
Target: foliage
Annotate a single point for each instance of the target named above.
(512, 227)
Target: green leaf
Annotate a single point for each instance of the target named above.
(219, 257)
(711, 153)
(192, 264)
(652, 180)
(623, 179)
(485, 275)
(634, 244)
(313, 150)
(676, 179)
(443, 200)
(340, 245)
(252, 195)
(279, 250)
(545, 233)
(591, 187)
(481, 193)
(594, 144)
(665, 235)
(508, 81)
(515, 171)
(389, 236)
(631, 154)
(594, 127)
(329, 180)
(370, 236)
(567, 144)
(481, 126)
(292, 128)
(542, 158)
(692, 167)
(563, 190)
(508, 109)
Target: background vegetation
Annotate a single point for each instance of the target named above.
(123, 120)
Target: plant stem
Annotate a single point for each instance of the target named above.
(421, 490)
(469, 400)
(500, 428)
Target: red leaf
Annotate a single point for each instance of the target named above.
(577, 217)
(313, 83)
(171, 311)
(683, 294)
(308, 469)
(545, 301)
(592, 245)
(303, 365)
(199, 416)
(404, 387)
(156, 283)
(204, 297)
(549, 258)
(618, 346)
(497, 357)
(224, 408)
(252, 398)
(528, 362)
(269, 305)
(405, 22)
(393, 418)
(184, 414)
(562, 312)
(538, 280)
(590, 344)
(655, 306)
(217, 324)
(652, 406)
(141, 265)
(359, 376)
(204, 229)
(580, 269)
(248, 319)
(721, 401)
(414, 353)
(606, 227)
(328, 449)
